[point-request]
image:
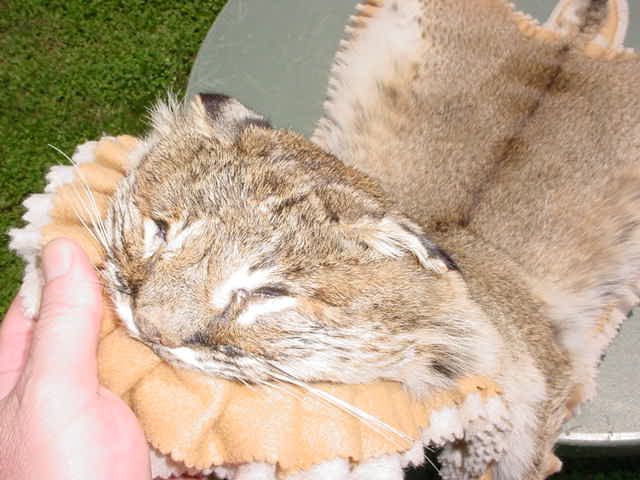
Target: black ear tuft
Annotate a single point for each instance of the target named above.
(434, 250)
(213, 102)
(395, 236)
(228, 116)
(602, 23)
(437, 252)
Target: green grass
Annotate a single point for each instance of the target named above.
(73, 70)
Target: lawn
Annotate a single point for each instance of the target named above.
(72, 70)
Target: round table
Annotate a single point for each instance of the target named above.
(275, 57)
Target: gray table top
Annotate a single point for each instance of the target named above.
(275, 56)
(613, 418)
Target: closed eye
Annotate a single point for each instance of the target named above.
(159, 233)
(271, 291)
(245, 296)
(155, 235)
(163, 227)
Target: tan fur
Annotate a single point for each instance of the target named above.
(516, 148)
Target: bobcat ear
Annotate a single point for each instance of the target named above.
(394, 236)
(603, 22)
(225, 116)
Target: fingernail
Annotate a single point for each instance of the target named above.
(56, 259)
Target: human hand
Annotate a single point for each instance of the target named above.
(56, 420)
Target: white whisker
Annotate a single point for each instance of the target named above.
(280, 388)
(353, 410)
(370, 420)
(92, 210)
(82, 221)
(93, 231)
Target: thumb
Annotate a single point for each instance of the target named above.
(66, 332)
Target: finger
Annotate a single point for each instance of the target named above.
(66, 331)
(15, 338)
